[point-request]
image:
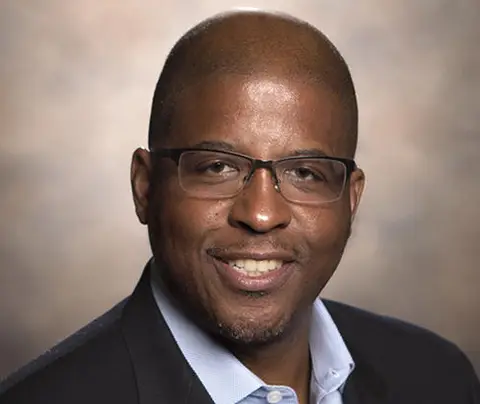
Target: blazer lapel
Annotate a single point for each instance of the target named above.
(161, 371)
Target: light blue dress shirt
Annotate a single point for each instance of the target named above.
(228, 381)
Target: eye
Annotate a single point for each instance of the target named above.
(216, 168)
(304, 173)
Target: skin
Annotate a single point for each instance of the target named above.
(266, 115)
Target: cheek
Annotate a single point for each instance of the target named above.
(325, 232)
(187, 222)
(181, 229)
(323, 226)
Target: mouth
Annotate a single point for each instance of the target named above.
(254, 268)
(257, 273)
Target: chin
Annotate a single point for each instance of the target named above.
(249, 334)
(255, 329)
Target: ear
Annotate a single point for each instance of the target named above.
(357, 185)
(140, 176)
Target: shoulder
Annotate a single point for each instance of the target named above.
(403, 352)
(70, 372)
(382, 327)
(373, 328)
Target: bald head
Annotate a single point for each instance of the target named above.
(250, 43)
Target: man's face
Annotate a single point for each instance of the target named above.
(194, 239)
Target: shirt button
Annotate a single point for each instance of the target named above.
(274, 397)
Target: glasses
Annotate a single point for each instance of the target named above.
(215, 174)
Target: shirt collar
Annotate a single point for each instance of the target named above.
(332, 362)
(227, 380)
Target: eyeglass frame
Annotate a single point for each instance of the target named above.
(176, 153)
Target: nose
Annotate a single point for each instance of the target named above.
(259, 208)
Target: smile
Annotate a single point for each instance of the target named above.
(255, 274)
(254, 268)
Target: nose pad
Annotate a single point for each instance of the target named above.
(275, 180)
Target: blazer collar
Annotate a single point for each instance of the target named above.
(162, 374)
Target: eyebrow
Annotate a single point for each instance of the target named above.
(309, 152)
(214, 144)
(225, 146)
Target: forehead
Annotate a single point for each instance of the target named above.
(266, 116)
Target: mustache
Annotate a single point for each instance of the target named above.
(269, 244)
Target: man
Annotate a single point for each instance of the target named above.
(249, 190)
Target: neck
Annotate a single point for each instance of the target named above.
(285, 362)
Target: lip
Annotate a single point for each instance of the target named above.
(267, 282)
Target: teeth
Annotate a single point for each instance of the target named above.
(255, 268)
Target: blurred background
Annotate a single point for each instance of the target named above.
(76, 80)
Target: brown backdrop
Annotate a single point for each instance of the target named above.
(76, 79)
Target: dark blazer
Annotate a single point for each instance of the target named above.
(128, 356)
